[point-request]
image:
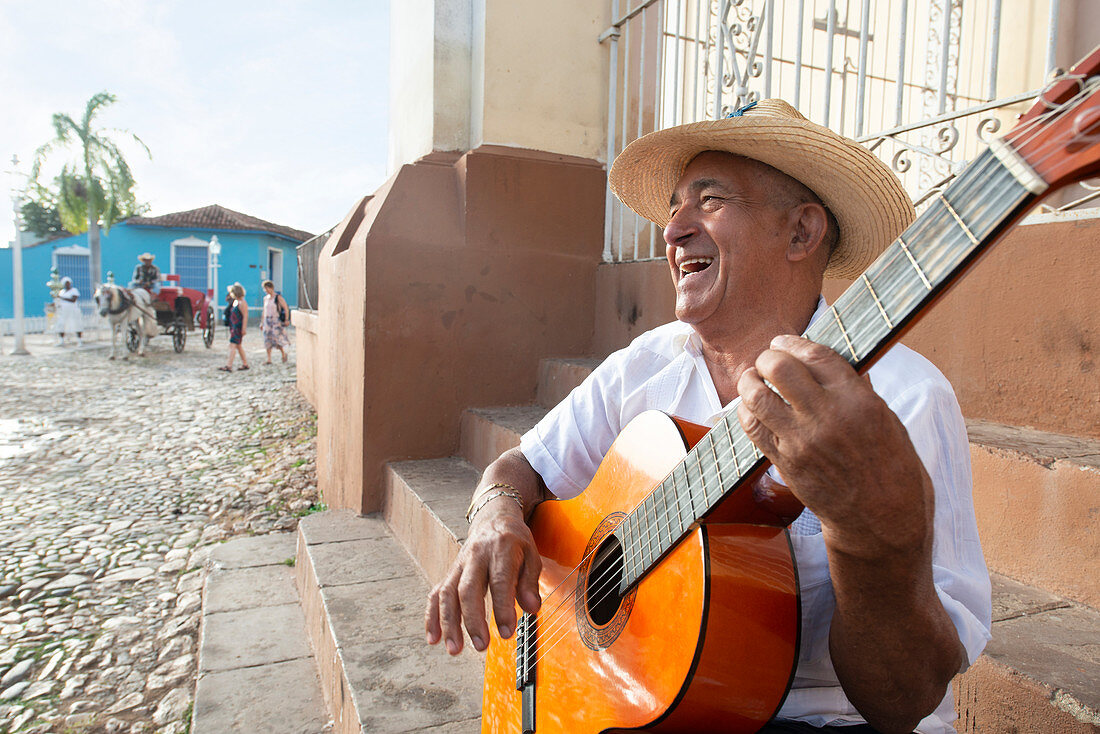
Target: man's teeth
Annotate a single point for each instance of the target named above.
(695, 264)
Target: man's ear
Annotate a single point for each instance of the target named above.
(809, 226)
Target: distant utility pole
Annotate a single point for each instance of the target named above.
(17, 262)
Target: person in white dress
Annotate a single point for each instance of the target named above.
(69, 317)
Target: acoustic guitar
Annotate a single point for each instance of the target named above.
(670, 593)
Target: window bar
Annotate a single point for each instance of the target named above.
(641, 107)
(798, 53)
(612, 101)
(861, 79)
(695, 115)
(1052, 35)
(677, 50)
(830, 35)
(945, 51)
(621, 239)
(994, 49)
(900, 98)
(720, 71)
(659, 102)
(770, 26)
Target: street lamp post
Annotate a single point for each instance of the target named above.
(215, 249)
(17, 265)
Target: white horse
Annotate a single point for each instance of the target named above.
(123, 307)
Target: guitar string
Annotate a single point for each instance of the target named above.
(603, 584)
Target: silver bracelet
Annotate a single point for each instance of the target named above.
(486, 497)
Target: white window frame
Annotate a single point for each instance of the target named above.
(70, 250)
(278, 281)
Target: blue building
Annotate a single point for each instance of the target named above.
(252, 250)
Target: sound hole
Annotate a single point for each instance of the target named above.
(606, 573)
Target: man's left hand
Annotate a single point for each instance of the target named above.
(839, 447)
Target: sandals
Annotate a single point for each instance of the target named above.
(241, 369)
(225, 369)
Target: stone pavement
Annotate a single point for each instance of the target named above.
(257, 672)
(116, 480)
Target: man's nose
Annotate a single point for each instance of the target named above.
(680, 227)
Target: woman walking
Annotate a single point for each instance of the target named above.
(237, 314)
(273, 321)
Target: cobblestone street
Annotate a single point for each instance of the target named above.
(116, 480)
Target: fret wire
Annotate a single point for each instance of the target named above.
(733, 447)
(662, 523)
(717, 465)
(905, 249)
(647, 550)
(958, 219)
(871, 290)
(844, 332)
(655, 528)
(628, 545)
(690, 494)
(679, 515)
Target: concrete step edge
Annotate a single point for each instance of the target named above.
(257, 670)
(364, 599)
(340, 699)
(1042, 447)
(424, 505)
(559, 375)
(1046, 643)
(488, 432)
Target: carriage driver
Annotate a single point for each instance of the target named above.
(146, 274)
(757, 209)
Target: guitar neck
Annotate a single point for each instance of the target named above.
(869, 316)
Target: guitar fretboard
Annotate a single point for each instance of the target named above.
(912, 270)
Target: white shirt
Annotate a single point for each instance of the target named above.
(664, 369)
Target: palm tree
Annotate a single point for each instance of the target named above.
(95, 188)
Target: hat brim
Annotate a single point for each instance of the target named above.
(867, 199)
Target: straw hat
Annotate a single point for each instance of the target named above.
(865, 196)
(145, 256)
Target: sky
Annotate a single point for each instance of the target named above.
(277, 109)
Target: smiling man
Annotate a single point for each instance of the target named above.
(757, 209)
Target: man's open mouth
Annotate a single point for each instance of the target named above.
(691, 265)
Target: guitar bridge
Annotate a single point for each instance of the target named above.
(526, 660)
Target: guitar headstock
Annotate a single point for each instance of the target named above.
(1059, 136)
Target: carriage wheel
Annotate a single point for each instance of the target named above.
(179, 336)
(133, 339)
(208, 332)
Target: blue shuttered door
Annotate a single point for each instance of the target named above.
(76, 267)
(191, 266)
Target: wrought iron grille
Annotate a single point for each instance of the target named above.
(308, 252)
(865, 68)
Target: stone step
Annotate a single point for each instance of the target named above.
(557, 377)
(424, 504)
(256, 670)
(486, 433)
(1041, 670)
(1035, 498)
(364, 601)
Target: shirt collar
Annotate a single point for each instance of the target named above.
(689, 341)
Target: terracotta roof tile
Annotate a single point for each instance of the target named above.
(218, 217)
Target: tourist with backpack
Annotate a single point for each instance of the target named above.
(273, 321)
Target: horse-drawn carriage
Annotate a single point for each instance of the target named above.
(178, 311)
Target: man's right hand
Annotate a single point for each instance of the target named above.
(499, 555)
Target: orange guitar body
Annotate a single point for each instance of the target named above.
(706, 641)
